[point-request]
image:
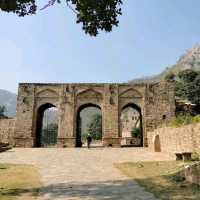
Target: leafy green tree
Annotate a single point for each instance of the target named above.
(94, 15)
(136, 132)
(94, 127)
(187, 75)
(170, 77)
(187, 85)
(49, 134)
(2, 112)
(194, 95)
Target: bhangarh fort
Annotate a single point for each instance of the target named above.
(155, 103)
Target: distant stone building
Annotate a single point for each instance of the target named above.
(129, 119)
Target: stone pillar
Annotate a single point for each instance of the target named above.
(111, 116)
(23, 134)
(66, 117)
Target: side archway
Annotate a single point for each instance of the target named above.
(46, 126)
(131, 128)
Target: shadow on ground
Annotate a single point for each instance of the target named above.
(101, 190)
(117, 190)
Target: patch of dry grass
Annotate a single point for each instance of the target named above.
(18, 182)
(160, 178)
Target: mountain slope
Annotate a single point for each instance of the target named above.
(190, 60)
(9, 100)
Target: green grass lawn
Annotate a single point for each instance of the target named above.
(160, 178)
(18, 182)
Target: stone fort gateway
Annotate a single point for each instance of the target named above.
(154, 102)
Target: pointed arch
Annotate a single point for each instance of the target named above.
(131, 93)
(89, 93)
(47, 93)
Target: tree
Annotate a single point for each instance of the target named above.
(94, 15)
(95, 127)
(49, 134)
(2, 112)
(136, 132)
(194, 95)
(187, 75)
(187, 85)
(170, 77)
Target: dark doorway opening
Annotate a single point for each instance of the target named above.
(131, 126)
(47, 126)
(89, 120)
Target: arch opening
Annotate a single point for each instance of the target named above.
(47, 126)
(157, 145)
(89, 120)
(131, 128)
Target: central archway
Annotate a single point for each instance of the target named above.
(89, 120)
(46, 126)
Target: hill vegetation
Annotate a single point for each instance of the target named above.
(187, 85)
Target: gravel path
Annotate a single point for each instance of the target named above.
(82, 174)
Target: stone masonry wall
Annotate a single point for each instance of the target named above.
(171, 139)
(7, 127)
(153, 101)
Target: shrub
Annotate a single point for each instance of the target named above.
(196, 119)
(136, 132)
(178, 178)
(195, 156)
(182, 120)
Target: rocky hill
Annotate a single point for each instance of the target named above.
(190, 60)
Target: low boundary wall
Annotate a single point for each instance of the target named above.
(7, 127)
(171, 139)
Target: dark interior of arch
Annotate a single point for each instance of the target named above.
(138, 109)
(87, 114)
(39, 142)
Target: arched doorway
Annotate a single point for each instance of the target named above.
(131, 126)
(89, 120)
(47, 126)
(157, 146)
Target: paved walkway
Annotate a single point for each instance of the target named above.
(82, 174)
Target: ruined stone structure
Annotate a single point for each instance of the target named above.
(155, 103)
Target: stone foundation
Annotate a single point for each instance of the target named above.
(111, 142)
(23, 142)
(66, 142)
